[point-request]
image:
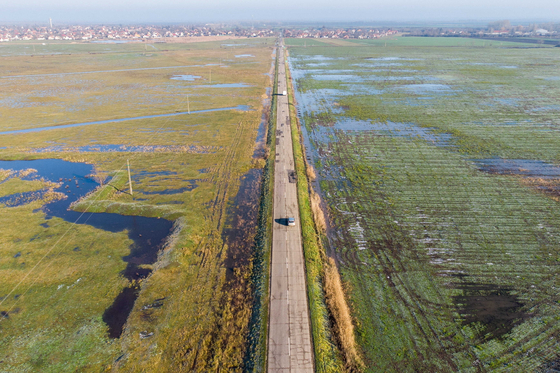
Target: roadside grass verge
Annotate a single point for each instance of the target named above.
(256, 355)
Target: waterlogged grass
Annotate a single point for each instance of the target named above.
(448, 268)
(394, 41)
(188, 171)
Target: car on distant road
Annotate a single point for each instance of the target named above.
(291, 221)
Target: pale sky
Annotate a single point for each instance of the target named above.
(189, 11)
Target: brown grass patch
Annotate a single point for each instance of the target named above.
(340, 312)
(318, 214)
(550, 187)
(311, 175)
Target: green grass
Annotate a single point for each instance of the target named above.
(62, 329)
(423, 236)
(300, 42)
(412, 41)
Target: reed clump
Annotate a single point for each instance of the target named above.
(318, 214)
(311, 175)
(342, 320)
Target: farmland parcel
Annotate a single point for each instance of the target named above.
(438, 161)
(154, 280)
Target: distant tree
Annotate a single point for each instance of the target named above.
(499, 25)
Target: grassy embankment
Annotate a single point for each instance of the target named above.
(57, 324)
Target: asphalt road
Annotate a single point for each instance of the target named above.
(289, 338)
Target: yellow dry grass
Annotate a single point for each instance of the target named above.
(318, 214)
(343, 326)
(311, 175)
(550, 187)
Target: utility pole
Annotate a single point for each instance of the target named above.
(188, 105)
(129, 179)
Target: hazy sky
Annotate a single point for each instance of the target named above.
(116, 11)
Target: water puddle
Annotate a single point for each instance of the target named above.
(97, 71)
(148, 234)
(260, 141)
(319, 64)
(242, 222)
(243, 55)
(427, 88)
(392, 129)
(546, 108)
(334, 77)
(316, 57)
(223, 85)
(492, 310)
(508, 101)
(523, 167)
(392, 59)
(238, 107)
(112, 148)
(188, 78)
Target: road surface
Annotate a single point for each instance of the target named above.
(289, 338)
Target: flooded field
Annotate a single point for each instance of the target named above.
(98, 273)
(439, 168)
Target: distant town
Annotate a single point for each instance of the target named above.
(144, 32)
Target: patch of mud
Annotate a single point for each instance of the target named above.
(522, 167)
(551, 366)
(491, 310)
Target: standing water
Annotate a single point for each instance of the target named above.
(148, 234)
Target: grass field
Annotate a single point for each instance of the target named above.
(58, 279)
(438, 164)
